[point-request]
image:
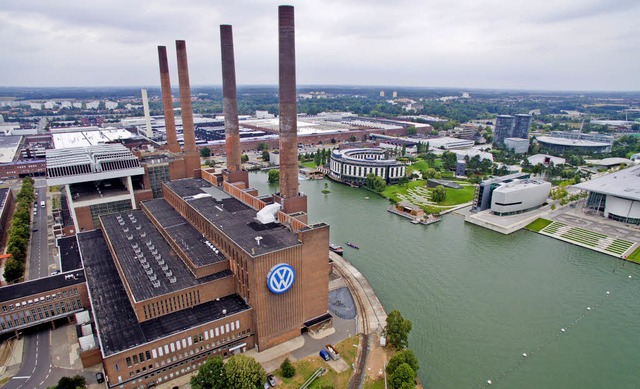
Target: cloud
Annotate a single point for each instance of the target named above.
(574, 44)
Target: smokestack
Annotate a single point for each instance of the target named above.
(288, 114)
(147, 115)
(230, 100)
(185, 99)
(167, 101)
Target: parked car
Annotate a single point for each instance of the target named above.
(271, 380)
(100, 377)
(324, 355)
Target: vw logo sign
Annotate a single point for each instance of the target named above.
(280, 278)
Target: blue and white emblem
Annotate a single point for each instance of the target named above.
(280, 278)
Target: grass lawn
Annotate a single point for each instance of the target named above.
(538, 224)
(635, 256)
(419, 166)
(306, 367)
(309, 164)
(458, 196)
(392, 191)
(377, 384)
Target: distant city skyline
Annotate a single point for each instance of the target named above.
(582, 45)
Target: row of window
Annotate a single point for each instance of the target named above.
(172, 304)
(37, 300)
(182, 367)
(38, 313)
(190, 345)
(360, 171)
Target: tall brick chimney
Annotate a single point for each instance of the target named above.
(291, 200)
(167, 101)
(192, 157)
(234, 172)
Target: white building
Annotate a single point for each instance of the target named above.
(448, 143)
(519, 196)
(545, 160)
(518, 145)
(353, 165)
(92, 104)
(110, 104)
(615, 196)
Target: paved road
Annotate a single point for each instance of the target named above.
(39, 259)
(36, 364)
(36, 369)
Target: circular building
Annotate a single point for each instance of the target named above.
(353, 165)
(561, 145)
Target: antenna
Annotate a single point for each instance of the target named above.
(258, 239)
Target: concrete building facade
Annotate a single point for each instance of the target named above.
(353, 165)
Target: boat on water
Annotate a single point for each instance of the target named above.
(430, 220)
(336, 248)
(353, 246)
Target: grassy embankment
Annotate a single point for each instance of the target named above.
(306, 367)
(538, 224)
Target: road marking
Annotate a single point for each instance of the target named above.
(23, 377)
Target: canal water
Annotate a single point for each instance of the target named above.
(478, 300)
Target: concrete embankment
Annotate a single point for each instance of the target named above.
(376, 316)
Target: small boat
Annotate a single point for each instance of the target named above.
(415, 221)
(336, 248)
(353, 246)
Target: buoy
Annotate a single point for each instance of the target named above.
(489, 382)
(524, 355)
(607, 292)
(629, 276)
(562, 329)
(588, 308)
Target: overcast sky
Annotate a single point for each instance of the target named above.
(556, 45)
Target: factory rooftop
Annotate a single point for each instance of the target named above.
(200, 251)
(69, 254)
(570, 142)
(40, 285)
(149, 264)
(233, 218)
(624, 184)
(117, 325)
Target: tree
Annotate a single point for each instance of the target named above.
(74, 382)
(205, 152)
(439, 194)
(211, 375)
(263, 146)
(401, 376)
(274, 176)
(411, 130)
(397, 330)
(405, 356)
(317, 159)
(244, 158)
(287, 368)
(429, 173)
(404, 150)
(265, 156)
(13, 270)
(243, 372)
(449, 160)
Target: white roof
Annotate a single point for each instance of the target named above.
(609, 161)
(624, 183)
(517, 185)
(570, 142)
(540, 158)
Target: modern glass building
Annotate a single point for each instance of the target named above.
(504, 129)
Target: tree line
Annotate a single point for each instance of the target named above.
(19, 233)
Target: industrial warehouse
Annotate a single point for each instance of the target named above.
(182, 263)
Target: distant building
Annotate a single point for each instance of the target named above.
(503, 129)
(518, 196)
(381, 93)
(546, 160)
(521, 126)
(394, 94)
(518, 145)
(560, 145)
(615, 196)
(353, 166)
